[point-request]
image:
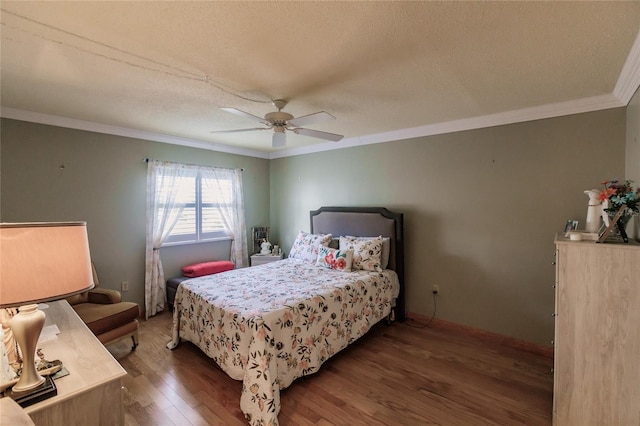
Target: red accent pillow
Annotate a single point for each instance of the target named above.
(207, 268)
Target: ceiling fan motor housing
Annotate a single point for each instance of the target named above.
(278, 118)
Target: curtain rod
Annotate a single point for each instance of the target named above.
(146, 160)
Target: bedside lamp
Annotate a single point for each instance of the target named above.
(40, 262)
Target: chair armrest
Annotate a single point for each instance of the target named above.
(104, 296)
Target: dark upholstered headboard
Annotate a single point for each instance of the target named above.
(367, 222)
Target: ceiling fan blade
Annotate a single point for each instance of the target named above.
(318, 134)
(316, 117)
(278, 140)
(244, 114)
(241, 130)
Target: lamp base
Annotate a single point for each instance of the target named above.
(30, 397)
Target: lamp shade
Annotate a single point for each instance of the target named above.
(40, 262)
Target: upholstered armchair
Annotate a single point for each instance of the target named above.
(106, 315)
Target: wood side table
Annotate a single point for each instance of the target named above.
(92, 392)
(260, 259)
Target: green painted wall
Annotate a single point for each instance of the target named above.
(481, 209)
(103, 183)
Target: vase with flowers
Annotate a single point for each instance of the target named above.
(620, 197)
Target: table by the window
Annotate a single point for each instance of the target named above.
(260, 259)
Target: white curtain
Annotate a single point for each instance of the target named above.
(233, 211)
(164, 207)
(163, 211)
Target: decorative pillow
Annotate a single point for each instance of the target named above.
(386, 247)
(207, 268)
(367, 252)
(305, 247)
(340, 260)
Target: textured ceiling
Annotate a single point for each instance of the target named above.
(167, 67)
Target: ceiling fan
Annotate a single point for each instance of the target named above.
(280, 121)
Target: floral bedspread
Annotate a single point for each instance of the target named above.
(270, 324)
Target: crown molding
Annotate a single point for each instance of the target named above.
(629, 79)
(72, 123)
(578, 106)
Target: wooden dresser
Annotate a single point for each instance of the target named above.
(92, 392)
(597, 334)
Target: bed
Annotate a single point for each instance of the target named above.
(271, 324)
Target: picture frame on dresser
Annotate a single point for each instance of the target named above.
(571, 225)
(613, 223)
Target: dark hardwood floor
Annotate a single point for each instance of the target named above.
(395, 375)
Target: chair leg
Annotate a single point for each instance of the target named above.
(135, 344)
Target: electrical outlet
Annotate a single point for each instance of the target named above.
(436, 289)
(125, 285)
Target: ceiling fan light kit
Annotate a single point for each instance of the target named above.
(279, 139)
(280, 121)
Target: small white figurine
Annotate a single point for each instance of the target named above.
(265, 246)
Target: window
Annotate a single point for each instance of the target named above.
(202, 198)
(190, 203)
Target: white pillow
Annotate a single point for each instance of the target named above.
(305, 247)
(386, 248)
(339, 260)
(367, 252)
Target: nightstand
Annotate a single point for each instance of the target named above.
(92, 392)
(260, 259)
